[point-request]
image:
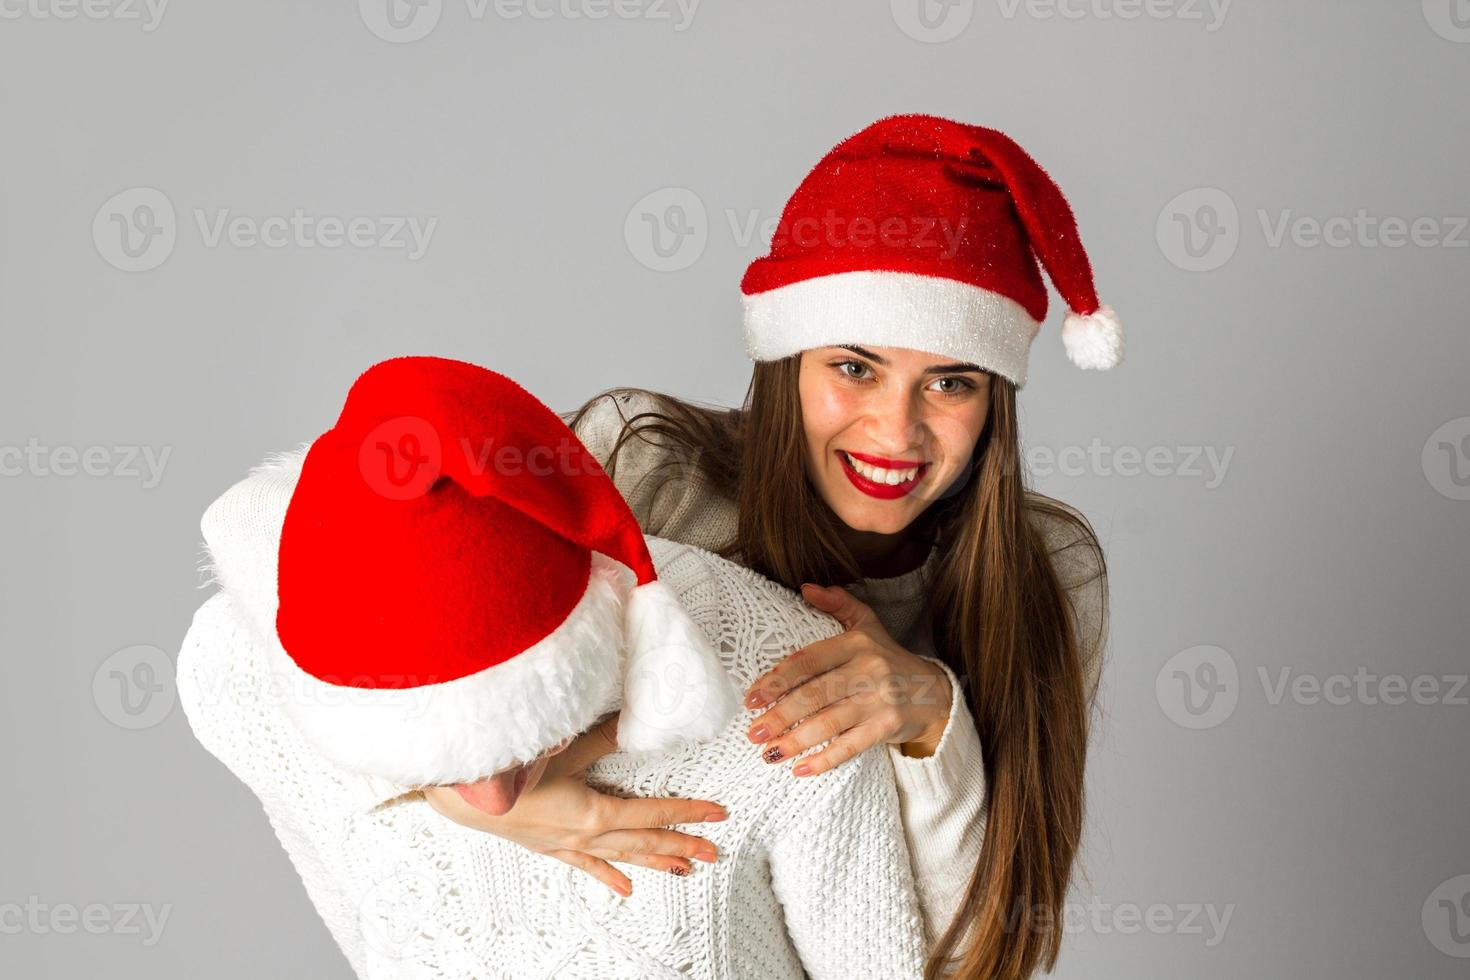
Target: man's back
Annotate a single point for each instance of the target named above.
(812, 873)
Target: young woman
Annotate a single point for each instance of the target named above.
(875, 465)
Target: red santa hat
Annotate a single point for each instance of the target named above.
(924, 233)
(455, 595)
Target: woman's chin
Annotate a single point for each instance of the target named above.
(875, 517)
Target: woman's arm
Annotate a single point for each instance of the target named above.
(942, 803)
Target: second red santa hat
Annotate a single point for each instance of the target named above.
(455, 594)
(924, 233)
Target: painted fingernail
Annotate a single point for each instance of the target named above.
(773, 754)
(754, 699)
(679, 870)
(802, 770)
(761, 733)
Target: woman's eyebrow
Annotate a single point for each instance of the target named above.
(955, 369)
(936, 369)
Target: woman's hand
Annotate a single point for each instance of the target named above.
(564, 818)
(858, 689)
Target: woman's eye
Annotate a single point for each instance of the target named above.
(961, 386)
(859, 365)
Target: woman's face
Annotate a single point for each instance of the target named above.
(888, 430)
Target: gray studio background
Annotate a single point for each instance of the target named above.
(1274, 196)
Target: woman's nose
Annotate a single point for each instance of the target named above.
(894, 426)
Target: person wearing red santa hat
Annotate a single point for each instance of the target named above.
(462, 591)
(876, 466)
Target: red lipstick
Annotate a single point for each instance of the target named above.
(883, 491)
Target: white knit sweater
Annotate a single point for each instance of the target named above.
(940, 797)
(812, 879)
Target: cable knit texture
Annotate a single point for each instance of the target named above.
(942, 796)
(813, 877)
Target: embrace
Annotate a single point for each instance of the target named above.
(800, 688)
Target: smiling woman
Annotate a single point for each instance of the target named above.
(875, 465)
(896, 425)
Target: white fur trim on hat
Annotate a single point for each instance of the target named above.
(463, 730)
(892, 309)
(1094, 340)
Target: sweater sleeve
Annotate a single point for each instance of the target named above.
(942, 801)
(1083, 576)
(841, 874)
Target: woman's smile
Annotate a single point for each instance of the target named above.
(876, 476)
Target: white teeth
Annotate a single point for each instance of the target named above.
(880, 474)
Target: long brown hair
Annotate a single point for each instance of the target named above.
(1006, 630)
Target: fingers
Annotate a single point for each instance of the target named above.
(844, 747)
(587, 748)
(827, 724)
(637, 814)
(659, 849)
(808, 699)
(840, 604)
(597, 868)
(798, 667)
